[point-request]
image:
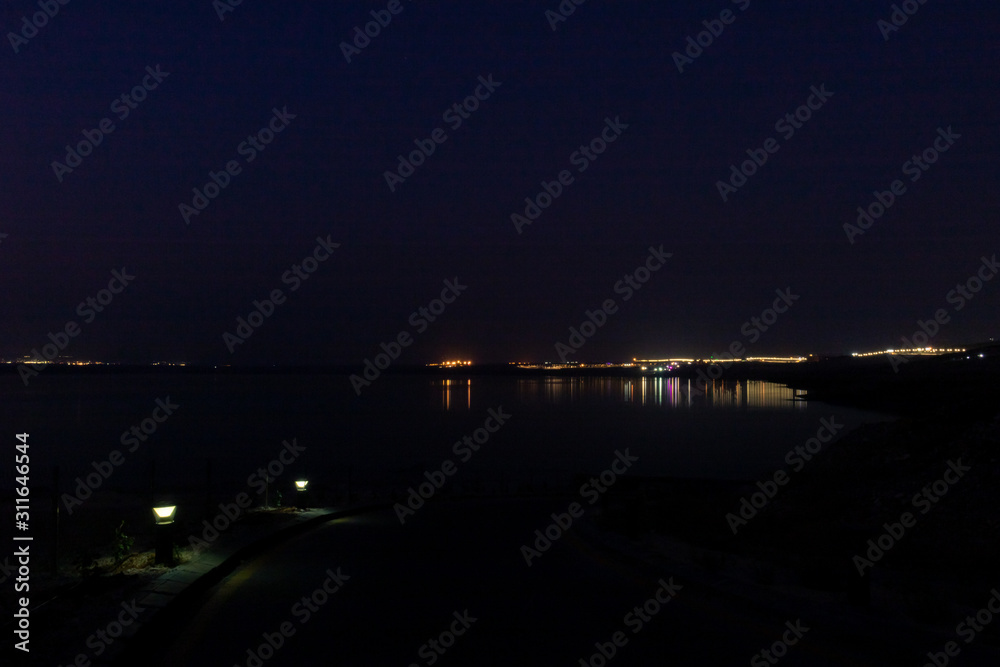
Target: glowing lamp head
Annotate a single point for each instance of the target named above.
(165, 514)
(301, 484)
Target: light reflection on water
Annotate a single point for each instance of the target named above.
(665, 392)
(455, 393)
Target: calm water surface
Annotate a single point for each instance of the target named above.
(403, 425)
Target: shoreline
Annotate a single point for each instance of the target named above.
(810, 532)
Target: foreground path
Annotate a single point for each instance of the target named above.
(403, 585)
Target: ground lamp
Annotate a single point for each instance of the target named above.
(164, 516)
(301, 494)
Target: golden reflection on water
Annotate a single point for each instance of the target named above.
(448, 387)
(670, 392)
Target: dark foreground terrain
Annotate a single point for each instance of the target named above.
(895, 519)
(897, 516)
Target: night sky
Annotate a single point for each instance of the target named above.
(607, 66)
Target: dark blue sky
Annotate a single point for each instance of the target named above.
(655, 185)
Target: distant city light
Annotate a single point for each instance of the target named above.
(914, 350)
(677, 362)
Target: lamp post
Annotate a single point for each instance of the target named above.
(164, 516)
(301, 494)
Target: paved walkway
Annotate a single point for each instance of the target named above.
(239, 543)
(258, 534)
